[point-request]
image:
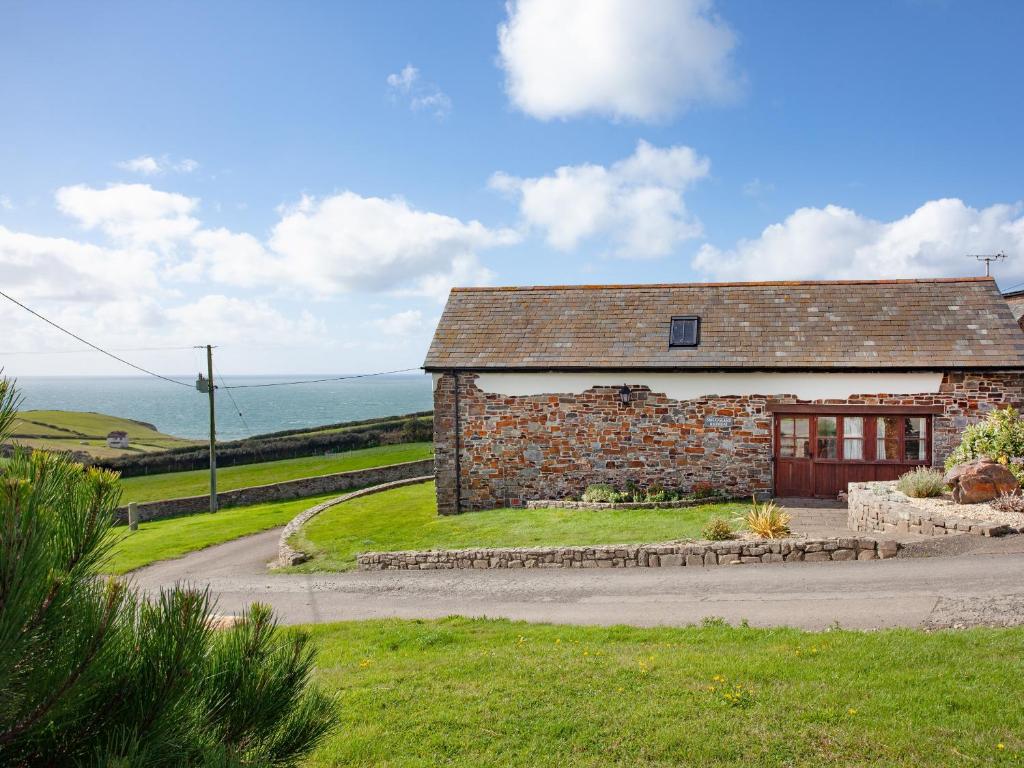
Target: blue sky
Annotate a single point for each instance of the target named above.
(302, 182)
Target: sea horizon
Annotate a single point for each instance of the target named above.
(184, 411)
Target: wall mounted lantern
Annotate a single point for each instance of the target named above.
(624, 394)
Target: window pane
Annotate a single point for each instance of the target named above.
(804, 448)
(826, 426)
(826, 448)
(803, 427)
(888, 445)
(915, 449)
(853, 449)
(683, 332)
(914, 427)
(853, 426)
(787, 448)
(786, 427)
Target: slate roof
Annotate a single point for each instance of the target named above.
(839, 325)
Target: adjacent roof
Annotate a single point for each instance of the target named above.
(905, 324)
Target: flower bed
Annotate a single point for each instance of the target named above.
(678, 504)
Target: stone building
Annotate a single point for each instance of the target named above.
(785, 388)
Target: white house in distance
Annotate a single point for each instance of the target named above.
(117, 439)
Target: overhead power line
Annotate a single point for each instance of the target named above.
(238, 410)
(90, 344)
(320, 381)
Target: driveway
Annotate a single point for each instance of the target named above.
(980, 585)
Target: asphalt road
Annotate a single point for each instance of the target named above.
(982, 584)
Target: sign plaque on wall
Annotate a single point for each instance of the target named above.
(718, 422)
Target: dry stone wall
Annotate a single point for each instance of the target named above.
(671, 554)
(513, 449)
(879, 507)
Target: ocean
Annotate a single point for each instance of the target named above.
(184, 412)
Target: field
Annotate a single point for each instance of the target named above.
(461, 692)
(163, 539)
(176, 484)
(87, 432)
(406, 518)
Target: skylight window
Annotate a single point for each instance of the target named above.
(684, 331)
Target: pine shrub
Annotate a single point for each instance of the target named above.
(94, 674)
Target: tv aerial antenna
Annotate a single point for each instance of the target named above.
(988, 258)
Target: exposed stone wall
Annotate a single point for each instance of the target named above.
(290, 489)
(560, 504)
(701, 553)
(879, 507)
(519, 448)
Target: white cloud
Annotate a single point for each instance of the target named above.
(402, 324)
(351, 243)
(148, 165)
(133, 214)
(421, 96)
(244, 321)
(637, 202)
(836, 242)
(643, 60)
(6, 203)
(59, 268)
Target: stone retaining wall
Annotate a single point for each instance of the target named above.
(879, 507)
(700, 553)
(288, 555)
(289, 489)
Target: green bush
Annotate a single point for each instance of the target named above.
(999, 437)
(603, 493)
(717, 529)
(921, 483)
(93, 674)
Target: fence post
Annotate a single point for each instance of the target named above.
(133, 516)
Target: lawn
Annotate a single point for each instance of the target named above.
(406, 518)
(162, 539)
(462, 692)
(172, 485)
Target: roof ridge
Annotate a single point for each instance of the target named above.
(736, 284)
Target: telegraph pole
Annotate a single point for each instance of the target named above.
(213, 432)
(206, 385)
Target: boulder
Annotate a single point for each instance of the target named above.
(980, 480)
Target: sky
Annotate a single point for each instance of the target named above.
(301, 183)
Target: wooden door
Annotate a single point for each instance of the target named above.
(794, 467)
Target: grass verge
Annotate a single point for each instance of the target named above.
(406, 518)
(163, 539)
(461, 692)
(172, 485)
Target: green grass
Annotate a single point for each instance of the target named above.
(406, 518)
(176, 484)
(162, 539)
(461, 692)
(87, 431)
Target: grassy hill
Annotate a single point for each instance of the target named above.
(87, 432)
(171, 485)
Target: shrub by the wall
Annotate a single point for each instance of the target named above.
(999, 437)
(921, 483)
